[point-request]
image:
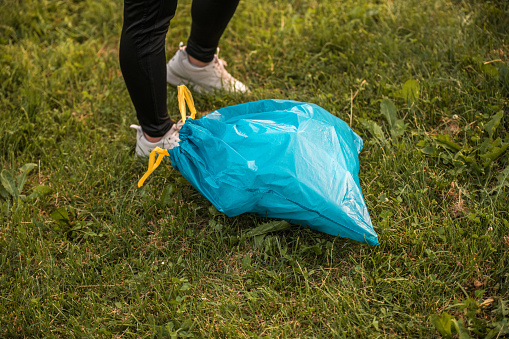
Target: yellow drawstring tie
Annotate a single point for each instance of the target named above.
(184, 96)
(151, 165)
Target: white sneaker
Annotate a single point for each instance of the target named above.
(144, 147)
(180, 71)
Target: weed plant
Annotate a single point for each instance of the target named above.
(85, 253)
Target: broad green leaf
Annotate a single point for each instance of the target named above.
(429, 150)
(500, 329)
(9, 184)
(389, 111)
(460, 329)
(397, 126)
(445, 140)
(398, 129)
(22, 178)
(495, 153)
(258, 240)
(411, 91)
(28, 167)
(466, 159)
(378, 133)
(216, 225)
(493, 124)
(490, 70)
(421, 143)
(443, 324)
(272, 226)
(503, 305)
(213, 211)
(61, 216)
(374, 129)
(487, 145)
(4, 194)
(41, 191)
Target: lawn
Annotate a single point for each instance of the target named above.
(85, 253)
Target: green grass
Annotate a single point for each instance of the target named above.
(85, 253)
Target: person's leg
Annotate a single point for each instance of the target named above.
(210, 18)
(143, 61)
(196, 65)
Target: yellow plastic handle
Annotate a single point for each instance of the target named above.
(184, 95)
(152, 163)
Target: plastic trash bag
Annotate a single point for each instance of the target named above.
(279, 159)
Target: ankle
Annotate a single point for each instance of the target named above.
(152, 139)
(197, 62)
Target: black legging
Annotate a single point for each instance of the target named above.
(142, 53)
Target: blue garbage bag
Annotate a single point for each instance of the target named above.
(279, 159)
